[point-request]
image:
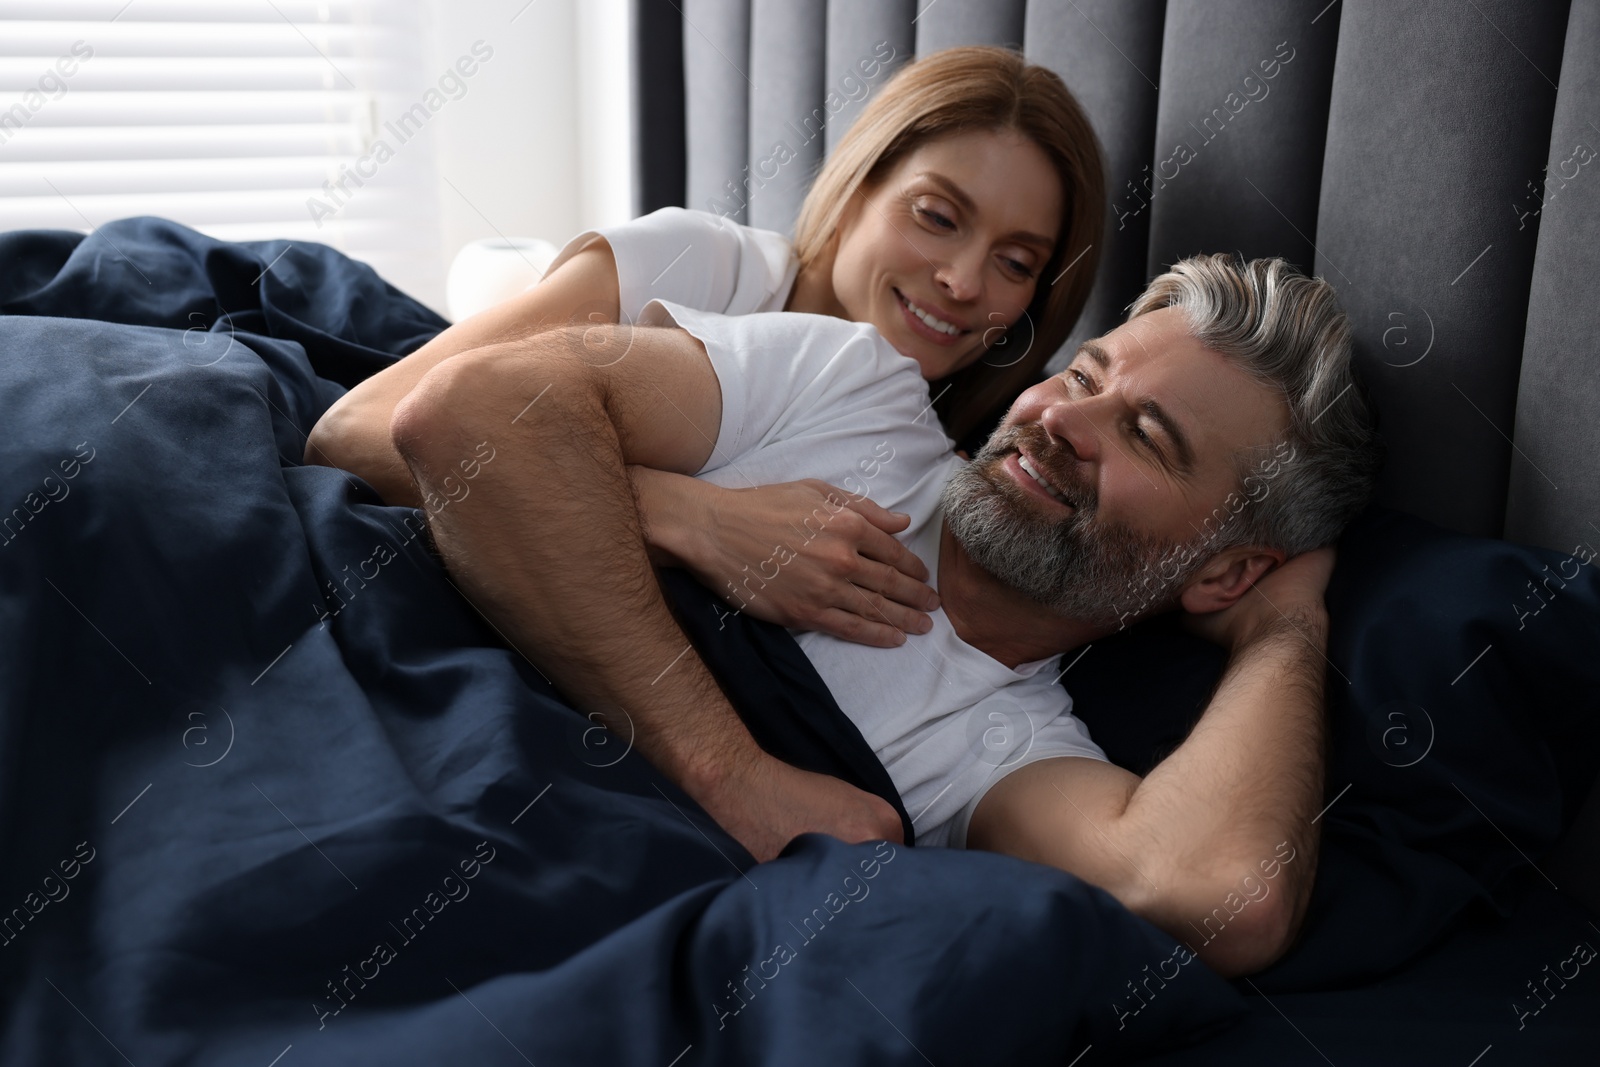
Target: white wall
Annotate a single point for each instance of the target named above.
(605, 137)
(539, 145)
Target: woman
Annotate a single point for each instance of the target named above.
(960, 215)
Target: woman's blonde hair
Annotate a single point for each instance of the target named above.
(978, 87)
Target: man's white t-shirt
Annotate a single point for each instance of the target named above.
(695, 259)
(812, 396)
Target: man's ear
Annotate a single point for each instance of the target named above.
(1228, 576)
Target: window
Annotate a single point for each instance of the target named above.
(245, 119)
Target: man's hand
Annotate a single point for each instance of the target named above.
(1287, 593)
(765, 803)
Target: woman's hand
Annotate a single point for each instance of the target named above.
(805, 555)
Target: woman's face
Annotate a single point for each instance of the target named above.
(959, 231)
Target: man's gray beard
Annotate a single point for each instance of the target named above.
(1107, 576)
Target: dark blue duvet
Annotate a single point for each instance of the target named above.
(269, 788)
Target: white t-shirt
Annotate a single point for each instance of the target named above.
(696, 259)
(812, 396)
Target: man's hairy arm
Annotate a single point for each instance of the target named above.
(354, 432)
(546, 543)
(1216, 844)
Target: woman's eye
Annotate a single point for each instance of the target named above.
(1020, 268)
(936, 218)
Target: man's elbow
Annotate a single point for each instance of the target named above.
(448, 411)
(480, 395)
(1259, 936)
(431, 414)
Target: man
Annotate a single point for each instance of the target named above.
(1117, 467)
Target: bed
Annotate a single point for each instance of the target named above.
(272, 792)
(271, 786)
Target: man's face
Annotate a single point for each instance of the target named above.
(1137, 449)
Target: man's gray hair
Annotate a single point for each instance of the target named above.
(1287, 332)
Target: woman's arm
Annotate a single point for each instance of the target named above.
(354, 433)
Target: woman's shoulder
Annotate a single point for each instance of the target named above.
(698, 259)
(694, 220)
(754, 268)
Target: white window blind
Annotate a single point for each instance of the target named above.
(245, 119)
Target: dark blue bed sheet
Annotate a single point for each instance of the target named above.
(272, 793)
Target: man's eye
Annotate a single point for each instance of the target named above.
(1138, 431)
(1150, 442)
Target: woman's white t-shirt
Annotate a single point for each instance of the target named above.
(696, 259)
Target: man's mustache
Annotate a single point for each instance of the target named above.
(1055, 461)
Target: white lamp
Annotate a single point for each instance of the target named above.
(488, 271)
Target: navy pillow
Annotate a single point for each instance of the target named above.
(1464, 718)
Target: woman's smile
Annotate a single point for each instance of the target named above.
(930, 322)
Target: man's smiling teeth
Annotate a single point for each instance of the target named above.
(936, 323)
(1022, 461)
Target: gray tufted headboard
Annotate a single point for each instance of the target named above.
(1436, 160)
